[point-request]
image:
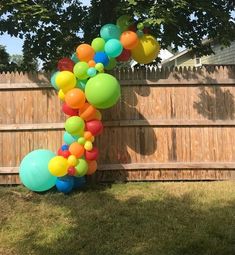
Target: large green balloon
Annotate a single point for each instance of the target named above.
(34, 173)
(102, 91)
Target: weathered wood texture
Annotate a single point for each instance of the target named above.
(169, 125)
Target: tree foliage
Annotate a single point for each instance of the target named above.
(53, 29)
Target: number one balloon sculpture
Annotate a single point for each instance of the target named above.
(84, 88)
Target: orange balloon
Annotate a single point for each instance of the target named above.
(75, 98)
(87, 135)
(76, 149)
(129, 40)
(85, 52)
(87, 112)
(92, 167)
(91, 63)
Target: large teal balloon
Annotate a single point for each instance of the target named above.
(110, 31)
(34, 173)
(102, 91)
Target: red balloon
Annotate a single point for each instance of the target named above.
(92, 155)
(132, 27)
(64, 154)
(71, 171)
(95, 127)
(65, 64)
(125, 55)
(146, 30)
(69, 111)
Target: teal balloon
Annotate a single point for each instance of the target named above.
(102, 91)
(110, 31)
(34, 173)
(53, 77)
(74, 58)
(81, 84)
(91, 71)
(113, 48)
(69, 139)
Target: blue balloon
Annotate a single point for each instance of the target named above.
(113, 48)
(74, 58)
(91, 71)
(110, 31)
(65, 184)
(53, 77)
(69, 139)
(79, 182)
(64, 147)
(34, 172)
(101, 57)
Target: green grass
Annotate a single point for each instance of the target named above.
(134, 218)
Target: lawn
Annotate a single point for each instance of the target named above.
(134, 219)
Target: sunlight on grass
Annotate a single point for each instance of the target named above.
(133, 218)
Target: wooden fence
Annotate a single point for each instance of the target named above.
(169, 124)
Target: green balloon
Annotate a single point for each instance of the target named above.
(102, 91)
(74, 125)
(81, 168)
(112, 63)
(34, 173)
(80, 70)
(124, 22)
(98, 44)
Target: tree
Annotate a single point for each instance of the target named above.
(4, 58)
(53, 29)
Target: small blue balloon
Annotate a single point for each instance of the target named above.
(91, 72)
(65, 184)
(101, 57)
(113, 48)
(79, 182)
(110, 31)
(64, 147)
(74, 58)
(53, 77)
(69, 139)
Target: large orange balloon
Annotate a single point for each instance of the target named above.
(75, 98)
(85, 52)
(129, 40)
(87, 112)
(76, 149)
(92, 167)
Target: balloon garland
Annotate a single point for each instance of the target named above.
(84, 87)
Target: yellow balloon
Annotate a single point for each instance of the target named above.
(147, 49)
(61, 95)
(72, 160)
(88, 146)
(65, 80)
(58, 166)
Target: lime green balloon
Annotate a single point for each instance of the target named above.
(74, 125)
(112, 63)
(98, 44)
(34, 172)
(81, 167)
(102, 91)
(80, 70)
(124, 22)
(99, 67)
